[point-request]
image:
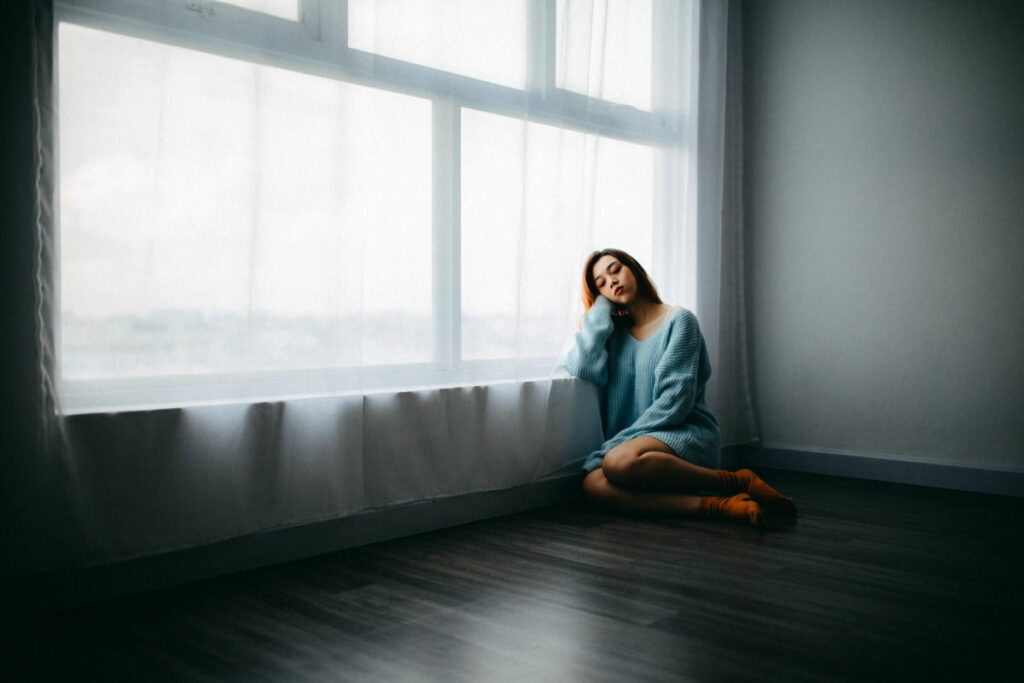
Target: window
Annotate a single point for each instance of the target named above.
(522, 191)
(194, 211)
(484, 40)
(264, 199)
(286, 9)
(615, 35)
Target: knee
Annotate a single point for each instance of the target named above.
(618, 466)
(596, 486)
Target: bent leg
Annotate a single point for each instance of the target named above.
(738, 508)
(599, 489)
(648, 464)
(746, 481)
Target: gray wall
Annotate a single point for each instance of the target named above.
(884, 151)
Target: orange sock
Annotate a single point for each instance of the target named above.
(738, 508)
(745, 481)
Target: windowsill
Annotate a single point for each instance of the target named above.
(85, 397)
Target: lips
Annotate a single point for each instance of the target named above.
(619, 291)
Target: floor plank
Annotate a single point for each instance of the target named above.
(873, 581)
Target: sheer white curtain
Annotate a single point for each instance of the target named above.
(304, 259)
(235, 220)
(245, 227)
(715, 220)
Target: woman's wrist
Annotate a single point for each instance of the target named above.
(603, 303)
(601, 311)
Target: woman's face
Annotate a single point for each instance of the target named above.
(615, 280)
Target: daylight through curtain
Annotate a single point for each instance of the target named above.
(297, 263)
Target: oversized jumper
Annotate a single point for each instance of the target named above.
(653, 387)
(662, 442)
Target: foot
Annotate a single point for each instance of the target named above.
(746, 481)
(738, 508)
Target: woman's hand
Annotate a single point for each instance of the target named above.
(618, 312)
(603, 306)
(605, 301)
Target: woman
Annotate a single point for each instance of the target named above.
(662, 443)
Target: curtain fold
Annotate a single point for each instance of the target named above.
(718, 220)
(157, 481)
(46, 257)
(46, 489)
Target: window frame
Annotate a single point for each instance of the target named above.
(317, 44)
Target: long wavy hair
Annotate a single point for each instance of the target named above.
(643, 280)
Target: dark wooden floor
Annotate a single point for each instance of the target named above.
(873, 581)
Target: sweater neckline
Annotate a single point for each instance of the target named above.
(663, 325)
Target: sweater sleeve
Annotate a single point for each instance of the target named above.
(588, 357)
(677, 379)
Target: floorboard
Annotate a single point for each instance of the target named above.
(873, 581)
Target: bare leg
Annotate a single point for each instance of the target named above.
(740, 508)
(647, 464)
(598, 489)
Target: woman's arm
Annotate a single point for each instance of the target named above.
(678, 377)
(588, 357)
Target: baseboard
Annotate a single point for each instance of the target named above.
(62, 590)
(900, 470)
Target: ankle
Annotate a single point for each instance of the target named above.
(738, 508)
(729, 482)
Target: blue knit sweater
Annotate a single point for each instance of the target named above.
(653, 387)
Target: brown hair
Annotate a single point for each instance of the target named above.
(644, 285)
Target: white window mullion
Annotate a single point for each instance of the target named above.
(670, 103)
(672, 51)
(330, 20)
(666, 176)
(447, 228)
(541, 48)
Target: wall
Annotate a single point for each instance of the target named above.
(884, 151)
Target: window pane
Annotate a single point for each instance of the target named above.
(218, 215)
(535, 201)
(603, 49)
(484, 40)
(286, 9)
